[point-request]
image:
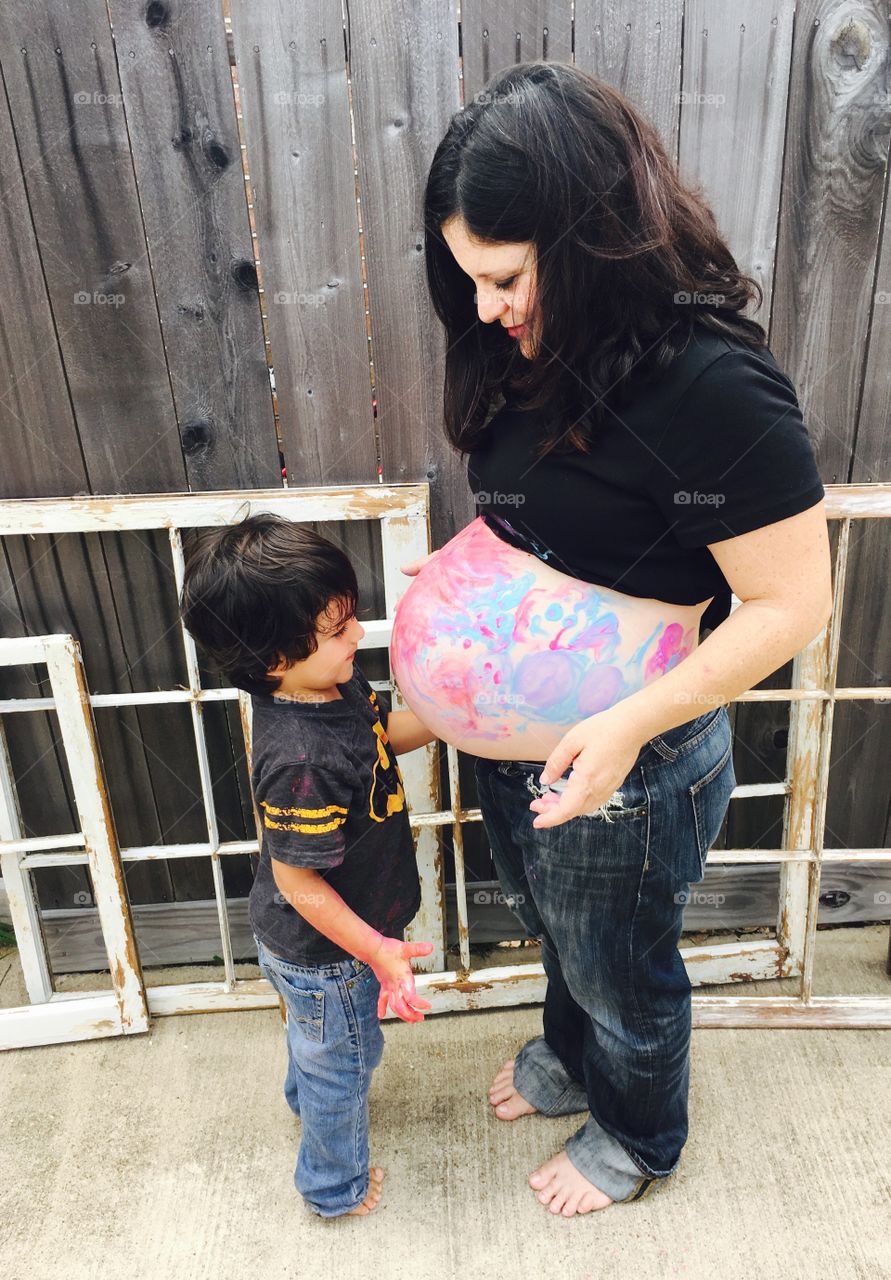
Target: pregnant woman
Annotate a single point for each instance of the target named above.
(633, 444)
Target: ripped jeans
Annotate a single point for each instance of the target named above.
(605, 895)
(613, 807)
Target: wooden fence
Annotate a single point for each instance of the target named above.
(195, 198)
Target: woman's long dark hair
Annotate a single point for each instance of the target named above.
(628, 259)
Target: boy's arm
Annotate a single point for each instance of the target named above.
(406, 732)
(322, 906)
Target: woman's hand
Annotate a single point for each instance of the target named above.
(392, 968)
(602, 751)
(412, 569)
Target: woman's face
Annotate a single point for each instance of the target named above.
(504, 275)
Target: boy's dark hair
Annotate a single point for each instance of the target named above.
(252, 593)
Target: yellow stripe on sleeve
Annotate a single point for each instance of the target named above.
(335, 812)
(303, 827)
(303, 813)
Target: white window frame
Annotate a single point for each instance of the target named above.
(403, 514)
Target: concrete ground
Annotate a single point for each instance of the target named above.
(170, 1155)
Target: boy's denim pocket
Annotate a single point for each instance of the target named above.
(306, 1008)
(300, 991)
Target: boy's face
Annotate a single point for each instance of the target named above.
(332, 662)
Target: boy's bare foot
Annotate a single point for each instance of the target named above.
(564, 1190)
(375, 1186)
(508, 1104)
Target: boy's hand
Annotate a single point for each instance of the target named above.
(412, 569)
(406, 732)
(391, 966)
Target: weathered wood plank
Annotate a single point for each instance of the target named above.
(871, 460)
(205, 510)
(177, 89)
(404, 69)
(58, 581)
(733, 118)
(178, 94)
(36, 423)
(859, 793)
(67, 110)
(294, 96)
(40, 448)
(833, 182)
(207, 370)
(866, 652)
(495, 35)
(68, 116)
(636, 48)
(63, 586)
(36, 756)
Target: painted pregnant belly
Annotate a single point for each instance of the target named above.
(499, 654)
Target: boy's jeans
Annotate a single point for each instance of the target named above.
(605, 894)
(334, 1043)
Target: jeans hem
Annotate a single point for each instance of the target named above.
(338, 1213)
(546, 1087)
(621, 1185)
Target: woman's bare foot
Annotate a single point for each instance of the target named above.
(375, 1186)
(564, 1190)
(508, 1104)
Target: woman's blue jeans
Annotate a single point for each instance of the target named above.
(335, 1042)
(605, 895)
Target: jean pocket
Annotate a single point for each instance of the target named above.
(710, 797)
(684, 737)
(630, 800)
(306, 1005)
(363, 973)
(624, 805)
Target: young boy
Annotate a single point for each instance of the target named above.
(273, 605)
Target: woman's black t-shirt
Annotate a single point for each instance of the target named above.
(714, 447)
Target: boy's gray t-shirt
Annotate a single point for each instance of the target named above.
(330, 796)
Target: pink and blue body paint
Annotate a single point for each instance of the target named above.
(488, 649)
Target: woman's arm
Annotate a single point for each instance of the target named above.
(782, 574)
(406, 732)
